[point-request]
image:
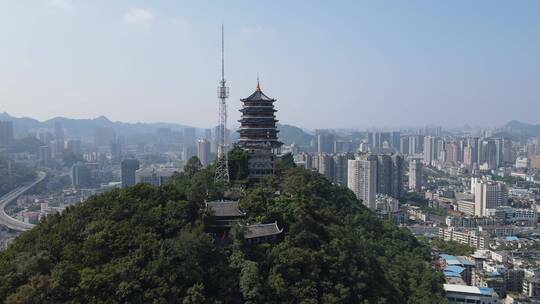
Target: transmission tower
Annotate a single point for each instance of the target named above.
(222, 166)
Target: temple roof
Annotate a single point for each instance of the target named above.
(224, 208)
(258, 95)
(262, 230)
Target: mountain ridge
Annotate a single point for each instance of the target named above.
(83, 128)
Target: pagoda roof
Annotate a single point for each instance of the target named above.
(262, 230)
(258, 95)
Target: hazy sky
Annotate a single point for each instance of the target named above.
(329, 63)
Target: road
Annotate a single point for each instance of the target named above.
(5, 200)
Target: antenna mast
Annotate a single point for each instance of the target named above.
(222, 165)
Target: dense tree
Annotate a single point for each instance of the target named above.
(452, 247)
(238, 164)
(148, 244)
(192, 166)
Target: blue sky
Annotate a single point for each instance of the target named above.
(347, 64)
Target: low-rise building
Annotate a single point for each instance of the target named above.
(155, 176)
(531, 287)
(459, 294)
(471, 237)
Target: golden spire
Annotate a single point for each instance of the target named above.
(258, 85)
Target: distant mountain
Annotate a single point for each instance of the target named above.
(290, 134)
(515, 126)
(84, 128)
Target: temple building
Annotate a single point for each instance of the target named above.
(259, 134)
(225, 214)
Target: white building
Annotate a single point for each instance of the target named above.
(155, 176)
(203, 151)
(460, 294)
(522, 162)
(362, 179)
(488, 196)
(471, 237)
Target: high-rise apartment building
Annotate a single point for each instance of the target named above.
(468, 155)
(44, 156)
(341, 162)
(362, 179)
(430, 149)
(384, 174)
(415, 175)
(128, 169)
(396, 190)
(325, 165)
(116, 149)
(80, 176)
(208, 134)
(203, 151)
(487, 153)
(488, 195)
(404, 145)
(325, 141)
(395, 140)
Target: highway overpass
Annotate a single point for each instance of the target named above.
(8, 198)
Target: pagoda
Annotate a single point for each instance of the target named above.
(259, 134)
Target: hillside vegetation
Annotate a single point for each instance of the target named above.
(148, 244)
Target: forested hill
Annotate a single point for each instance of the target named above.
(147, 244)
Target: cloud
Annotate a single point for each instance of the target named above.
(138, 16)
(251, 30)
(64, 5)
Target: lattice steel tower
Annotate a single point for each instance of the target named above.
(222, 165)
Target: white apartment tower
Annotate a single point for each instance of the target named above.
(488, 195)
(362, 179)
(430, 149)
(203, 151)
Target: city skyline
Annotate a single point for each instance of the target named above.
(376, 65)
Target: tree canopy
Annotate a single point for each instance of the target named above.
(148, 244)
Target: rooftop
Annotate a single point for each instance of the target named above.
(453, 260)
(224, 208)
(258, 95)
(261, 230)
(468, 289)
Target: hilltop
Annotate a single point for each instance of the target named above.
(148, 244)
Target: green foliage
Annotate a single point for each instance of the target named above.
(238, 164)
(148, 244)
(452, 247)
(510, 180)
(284, 163)
(192, 166)
(13, 175)
(436, 211)
(294, 135)
(415, 199)
(335, 250)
